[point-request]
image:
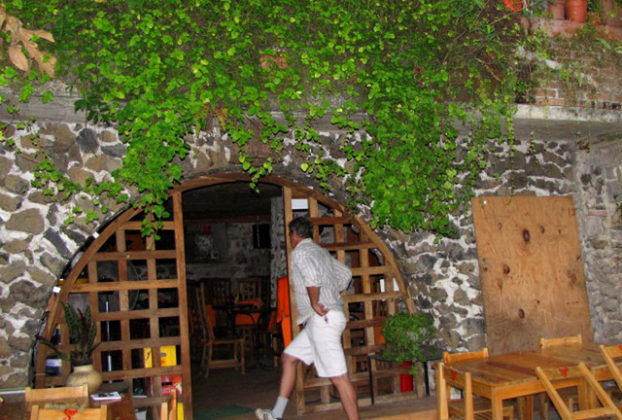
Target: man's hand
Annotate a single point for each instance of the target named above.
(314, 296)
(320, 309)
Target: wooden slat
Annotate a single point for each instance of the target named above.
(364, 350)
(140, 343)
(361, 297)
(377, 269)
(330, 220)
(351, 246)
(125, 285)
(142, 373)
(136, 225)
(163, 254)
(362, 323)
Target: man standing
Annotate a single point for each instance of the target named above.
(318, 280)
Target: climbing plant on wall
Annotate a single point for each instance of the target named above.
(163, 71)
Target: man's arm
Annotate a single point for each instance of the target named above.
(343, 274)
(314, 297)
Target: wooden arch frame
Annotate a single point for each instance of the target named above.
(378, 290)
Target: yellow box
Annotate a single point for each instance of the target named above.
(168, 356)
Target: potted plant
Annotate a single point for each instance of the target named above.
(408, 339)
(82, 331)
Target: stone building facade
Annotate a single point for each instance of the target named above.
(558, 152)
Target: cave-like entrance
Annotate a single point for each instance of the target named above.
(141, 305)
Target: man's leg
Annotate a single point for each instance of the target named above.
(288, 375)
(288, 382)
(347, 395)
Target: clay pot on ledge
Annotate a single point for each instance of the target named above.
(576, 10)
(557, 9)
(85, 374)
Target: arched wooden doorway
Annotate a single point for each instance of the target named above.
(160, 321)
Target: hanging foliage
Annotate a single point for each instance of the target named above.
(160, 71)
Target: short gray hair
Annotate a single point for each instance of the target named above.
(302, 226)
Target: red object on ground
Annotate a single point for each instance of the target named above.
(406, 381)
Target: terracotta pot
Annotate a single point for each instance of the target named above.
(85, 374)
(610, 13)
(557, 9)
(576, 10)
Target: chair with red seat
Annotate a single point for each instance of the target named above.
(611, 354)
(568, 394)
(550, 376)
(468, 406)
(209, 341)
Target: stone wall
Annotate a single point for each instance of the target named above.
(240, 260)
(278, 247)
(598, 172)
(36, 246)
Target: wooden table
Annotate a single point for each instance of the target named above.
(14, 408)
(122, 409)
(512, 375)
(119, 410)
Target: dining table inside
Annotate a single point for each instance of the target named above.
(500, 377)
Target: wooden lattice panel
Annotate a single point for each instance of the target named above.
(531, 270)
(136, 289)
(378, 287)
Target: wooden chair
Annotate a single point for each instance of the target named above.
(77, 396)
(449, 358)
(568, 394)
(609, 354)
(250, 288)
(550, 376)
(217, 292)
(168, 408)
(38, 413)
(468, 407)
(560, 341)
(209, 341)
(442, 394)
(250, 293)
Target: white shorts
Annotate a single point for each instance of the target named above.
(319, 343)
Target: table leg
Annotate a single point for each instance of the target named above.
(497, 408)
(587, 398)
(527, 407)
(371, 380)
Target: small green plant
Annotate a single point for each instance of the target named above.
(82, 332)
(407, 337)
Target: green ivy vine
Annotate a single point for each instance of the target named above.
(163, 71)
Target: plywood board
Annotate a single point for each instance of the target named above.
(531, 270)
